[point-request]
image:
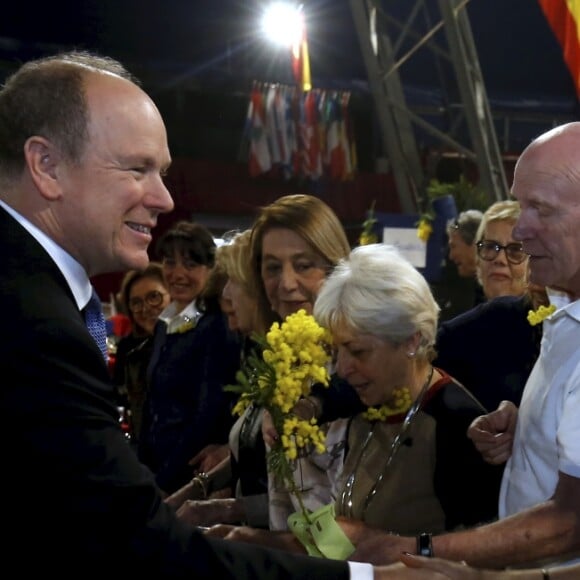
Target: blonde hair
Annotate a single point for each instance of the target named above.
(308, 216)
(500, 211)
(233, 258)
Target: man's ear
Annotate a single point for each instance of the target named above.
(42, 159)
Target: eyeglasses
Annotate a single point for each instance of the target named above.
(489, 249)
(153, 298)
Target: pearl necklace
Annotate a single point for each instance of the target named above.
(346, 495)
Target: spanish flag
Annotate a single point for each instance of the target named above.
(564, 19)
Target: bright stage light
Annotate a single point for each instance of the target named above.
(283, 23)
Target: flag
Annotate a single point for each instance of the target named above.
(260, 160)
(336, 160)
(564, 19)
(311, 160)
(301, 60)
(272, 128)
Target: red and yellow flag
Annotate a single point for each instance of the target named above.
(301, 59)
(564, 19)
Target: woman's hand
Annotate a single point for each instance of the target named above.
(211, 512)
(306, 408)
(269, 432)
(187, 492)
(273, 539)
(209, 457)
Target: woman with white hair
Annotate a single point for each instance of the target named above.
(407, 465)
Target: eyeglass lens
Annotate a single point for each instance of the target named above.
(153, 298)
(488, 250)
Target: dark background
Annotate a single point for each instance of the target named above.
(199, 58)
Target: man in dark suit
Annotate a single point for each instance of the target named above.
(82, 155)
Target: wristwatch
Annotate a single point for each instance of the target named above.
(425, 545)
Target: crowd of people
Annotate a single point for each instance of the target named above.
(451, 447)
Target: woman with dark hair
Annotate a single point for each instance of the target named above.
(241, 475)
(194, 356)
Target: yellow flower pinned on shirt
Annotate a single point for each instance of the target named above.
(540, 314)
(424, 228)
(185, 327)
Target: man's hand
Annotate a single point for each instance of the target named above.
(439, 568)
(374, 545)
(401, 572)
(493, 434)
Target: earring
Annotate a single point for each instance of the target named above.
(411, 354)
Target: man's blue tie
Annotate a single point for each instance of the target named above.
(95, 321)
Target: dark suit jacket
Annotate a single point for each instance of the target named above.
(491, 349)
(76, 501)
(186, 407)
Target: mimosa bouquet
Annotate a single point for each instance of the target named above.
(295, 355)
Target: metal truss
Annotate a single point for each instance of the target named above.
(395, 33)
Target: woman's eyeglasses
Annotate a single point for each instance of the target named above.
(153, 298)
(489, 249)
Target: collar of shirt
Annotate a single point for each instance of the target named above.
(564, 306)
(72, 271)
(174, 320)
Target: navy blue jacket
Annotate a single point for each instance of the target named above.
(491, 349)
(186, 406)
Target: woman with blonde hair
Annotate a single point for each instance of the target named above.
(296, 241)
(502, 264)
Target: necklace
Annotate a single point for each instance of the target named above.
(401, 403)
(346, 495)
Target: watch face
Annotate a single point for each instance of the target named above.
(424, 545)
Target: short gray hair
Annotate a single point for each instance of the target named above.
(466, 225)
(377, 291)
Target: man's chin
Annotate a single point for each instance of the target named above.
(135, 261)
